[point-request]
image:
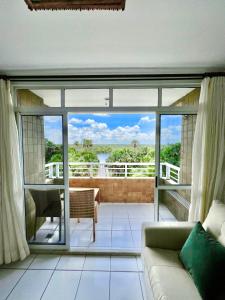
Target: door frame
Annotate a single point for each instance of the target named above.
(63, 111)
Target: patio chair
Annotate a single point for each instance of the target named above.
(47, 204)
(83, 205)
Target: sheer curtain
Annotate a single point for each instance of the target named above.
(208, 163)
(13, 244)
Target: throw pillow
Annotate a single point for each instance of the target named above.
(204, 258)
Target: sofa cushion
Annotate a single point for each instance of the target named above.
(204, 258)
(160, 257)
(171, 283)
(215, 221)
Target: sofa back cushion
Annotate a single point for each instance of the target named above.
(215, 221)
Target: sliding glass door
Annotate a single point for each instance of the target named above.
(174, 140)
(44, 174)
(112, 133)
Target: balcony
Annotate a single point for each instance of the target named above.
(118, 182)
(127, 200)
(113, 170)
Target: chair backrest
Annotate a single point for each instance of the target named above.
(215, 221)
(47, 202)
(40, 200)
(82, 204)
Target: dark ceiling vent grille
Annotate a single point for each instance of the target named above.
(76, 4)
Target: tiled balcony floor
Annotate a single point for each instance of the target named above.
(118, 227)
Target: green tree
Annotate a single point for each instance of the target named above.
(134, 144)
(102, 149)
(89, 156)
(51, 149)
(142, 154)
(171, 154)
(82, 156)
(76, 144)
(87, 143)
(146, 154)
(74, 155)
(131, 155)
(57, 157)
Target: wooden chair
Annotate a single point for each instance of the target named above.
(47, 204)
(83, 205)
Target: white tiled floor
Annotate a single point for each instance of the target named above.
(118, 227)
(73, 278)
(8, 279)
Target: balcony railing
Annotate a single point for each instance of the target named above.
(112, 170)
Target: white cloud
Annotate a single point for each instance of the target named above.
(101, 133)
(94, 124)
(99, 125)
(54, 135)
(171, 135)
(75, 121)
(89, 121)
(146, 120)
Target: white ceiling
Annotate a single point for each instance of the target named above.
(148, 34)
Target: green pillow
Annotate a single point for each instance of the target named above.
(204, 258)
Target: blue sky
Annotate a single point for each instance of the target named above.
(114, 128)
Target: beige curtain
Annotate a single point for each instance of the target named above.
(13, 244)
(208, 161)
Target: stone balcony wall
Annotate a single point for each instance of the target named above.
(125, 190)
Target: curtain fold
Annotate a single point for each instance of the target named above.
(208, 158)
(13, 244)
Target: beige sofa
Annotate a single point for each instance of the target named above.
(165, 276)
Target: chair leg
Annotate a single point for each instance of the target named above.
(99, 200)
(60, 228)
(52, 219)
(93, 230)
(96, 215)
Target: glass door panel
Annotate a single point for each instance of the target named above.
(45, 215)
(175, 141)
(43, 161)
(42, 149)
(174, 205)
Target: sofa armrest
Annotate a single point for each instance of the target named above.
(166, 235)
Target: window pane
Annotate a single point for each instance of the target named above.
(42, 149)
(87, 98)
(135, 97)
(45, 215)
(176, 138)
(47, 98)
(180, 97)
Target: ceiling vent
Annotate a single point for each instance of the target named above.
(76, 4)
